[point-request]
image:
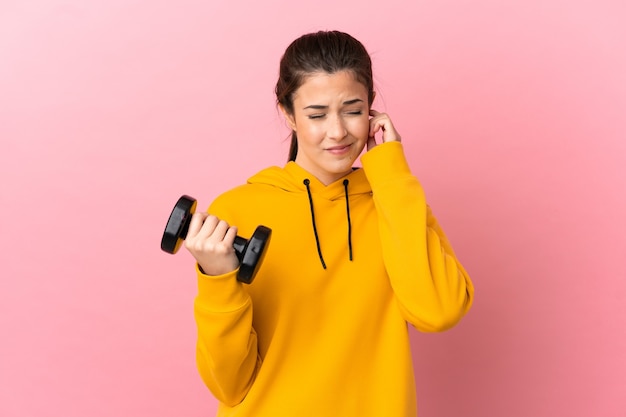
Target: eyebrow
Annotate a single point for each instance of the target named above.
(321, 107)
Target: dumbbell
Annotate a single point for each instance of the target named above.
(249, 252)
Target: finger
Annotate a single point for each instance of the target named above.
(231, 234)
(382, 122)
(390, 134)
(210, 222)
(196, 223)
(219, 231)
(375, 126)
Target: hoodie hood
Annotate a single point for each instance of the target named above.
(291, 178)
(294, 178)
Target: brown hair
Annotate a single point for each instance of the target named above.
(323, 51)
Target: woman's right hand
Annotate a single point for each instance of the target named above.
(210, 240)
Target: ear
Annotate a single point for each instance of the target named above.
(291, 120)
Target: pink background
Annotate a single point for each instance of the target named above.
(512, 114)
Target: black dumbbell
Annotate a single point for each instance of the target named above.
(249, 252)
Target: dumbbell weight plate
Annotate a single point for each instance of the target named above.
(252, 254)
(178, 224)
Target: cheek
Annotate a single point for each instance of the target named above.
(361, 129)
(309, 132)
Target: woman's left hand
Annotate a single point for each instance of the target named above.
(381, 121)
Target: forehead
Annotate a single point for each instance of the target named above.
(326, 87)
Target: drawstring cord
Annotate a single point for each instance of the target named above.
(345, 187)
(306, 182)
(317, 240)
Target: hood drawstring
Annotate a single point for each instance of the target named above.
(317, 240)
(345, 187)
(306, 182)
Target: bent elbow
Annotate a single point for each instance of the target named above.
(229, 399)
(442, 318)
(438, 323)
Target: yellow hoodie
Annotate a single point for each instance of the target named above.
(316, 333)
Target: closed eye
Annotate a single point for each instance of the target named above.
(316, 116)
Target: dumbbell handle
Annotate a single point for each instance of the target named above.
(240, 245)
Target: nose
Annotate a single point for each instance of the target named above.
(336, 128)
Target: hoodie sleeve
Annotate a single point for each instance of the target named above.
(431, 286)
(226, 351)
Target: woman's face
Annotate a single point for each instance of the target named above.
(331, 120)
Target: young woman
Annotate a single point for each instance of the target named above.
(355, 255)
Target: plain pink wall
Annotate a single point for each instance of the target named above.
(513, 116)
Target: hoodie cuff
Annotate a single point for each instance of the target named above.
(386, 162)
(220, 293)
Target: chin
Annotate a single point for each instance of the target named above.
(344, 167)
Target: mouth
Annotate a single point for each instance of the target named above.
(340, 149)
